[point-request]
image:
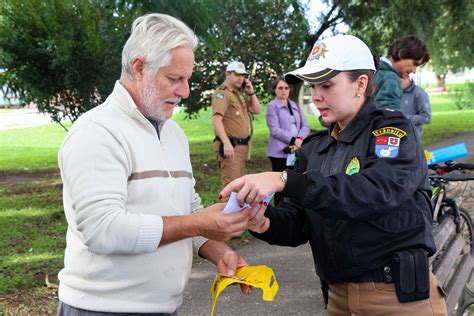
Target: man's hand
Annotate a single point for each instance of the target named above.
(229, 263)
(226, 260)
(248, 87)
(228, 150)
(212, 223)
(253, 188)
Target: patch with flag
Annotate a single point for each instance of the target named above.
(387, 142)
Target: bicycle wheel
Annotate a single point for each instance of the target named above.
(466, 230)
(465, 225)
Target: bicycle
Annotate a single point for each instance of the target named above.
(448, 207)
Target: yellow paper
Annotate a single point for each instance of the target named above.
(261, 277)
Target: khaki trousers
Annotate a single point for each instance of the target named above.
(374, 298)
(231, 168)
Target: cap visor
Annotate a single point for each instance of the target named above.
(315, 77)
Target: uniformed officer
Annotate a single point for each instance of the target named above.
(230, 118)
(359, 193)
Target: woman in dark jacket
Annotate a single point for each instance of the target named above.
(359, 193)
(288, 128)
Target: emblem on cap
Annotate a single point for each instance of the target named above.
(319, 50)
(353, 166)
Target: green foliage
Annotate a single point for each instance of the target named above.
(463, 97)
(380, 22)
(61, 54)
(65, 55)
(267, 36)
(452, 44)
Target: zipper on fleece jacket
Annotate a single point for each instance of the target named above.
(157, 129)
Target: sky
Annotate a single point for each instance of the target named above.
(317, 7)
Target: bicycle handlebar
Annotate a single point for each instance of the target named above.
(464, 166)
(452, 177)
(448, 167)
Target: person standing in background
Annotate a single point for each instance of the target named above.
(288, 128)
(231, 121)
(403, 57)
(415, 104)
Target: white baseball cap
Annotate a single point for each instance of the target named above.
(237, 67)
(331, 56)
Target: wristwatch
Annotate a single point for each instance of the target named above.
(284, 177)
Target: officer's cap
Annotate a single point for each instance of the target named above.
(237, 67)
(331, 56)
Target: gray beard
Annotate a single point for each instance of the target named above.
(152, 110)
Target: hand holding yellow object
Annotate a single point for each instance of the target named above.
(257, 276)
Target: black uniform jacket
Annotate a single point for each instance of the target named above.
(359, 199)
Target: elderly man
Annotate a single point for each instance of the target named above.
(231, 121)
(403, 57)
(128, 192)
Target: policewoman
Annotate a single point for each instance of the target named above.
(359, 193)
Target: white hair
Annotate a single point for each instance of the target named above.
(153, 37)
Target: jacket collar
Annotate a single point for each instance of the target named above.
(281, 105)
(386, 65)
(124, 101)
(410, 88)
(357, 125)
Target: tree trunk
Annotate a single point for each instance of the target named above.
(441, 78)
(295, 92)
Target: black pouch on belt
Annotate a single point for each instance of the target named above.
(411, 275)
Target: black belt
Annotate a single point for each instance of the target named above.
(384, 274)
(235, 141)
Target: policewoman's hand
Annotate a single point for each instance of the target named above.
(259, 223)
(253, 188)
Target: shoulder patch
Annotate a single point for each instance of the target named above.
(387, 141)
(220, 96)
(390, 130)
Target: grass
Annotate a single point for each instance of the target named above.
(32, 223)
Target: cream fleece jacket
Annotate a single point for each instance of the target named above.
(119, 178)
